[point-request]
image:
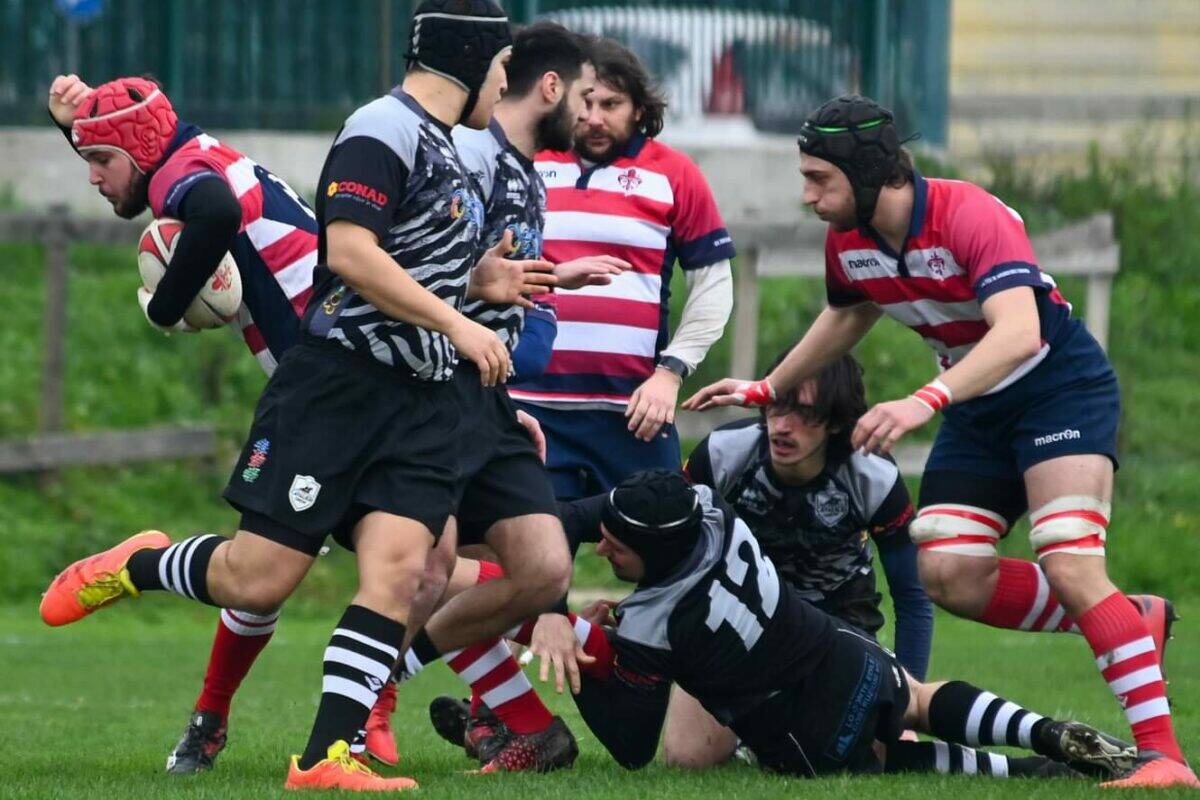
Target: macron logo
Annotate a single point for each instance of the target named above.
(1061, 436)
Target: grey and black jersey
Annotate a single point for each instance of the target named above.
(514, 199)
(819, 534)
(393, 169)
(722, 625)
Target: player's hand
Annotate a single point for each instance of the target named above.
(589, 271)
(600, 613)
(554, 642)
(483, 348)
(880, 428)
(534, 429)
(66, 93)
(144, 295)
(497, 279)
(731, 392)
(652, 404)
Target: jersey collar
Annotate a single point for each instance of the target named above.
(497, 132)
(915, 222)
(418, 109)
(184, 133)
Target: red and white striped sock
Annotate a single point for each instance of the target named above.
(1023, 600)
(240, 638)
(1127, 659)
(497, 679)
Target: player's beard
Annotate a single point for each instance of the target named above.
(134, 201)
(556, 130)
(608, 154)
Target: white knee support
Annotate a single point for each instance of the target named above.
(958, 529)
(1072, 524)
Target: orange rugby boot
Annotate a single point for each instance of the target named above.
(340, 770)
(1155, 771)
(97, 581)
(380, 742)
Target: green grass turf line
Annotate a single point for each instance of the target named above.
(92, 710)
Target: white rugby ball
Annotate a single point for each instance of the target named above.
(217, 303)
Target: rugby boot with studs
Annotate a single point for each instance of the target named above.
(544, 751)
(96, 581)
(203, 740)
(340, 770)
(1154, 770)
(481, 736)
(1085, 749)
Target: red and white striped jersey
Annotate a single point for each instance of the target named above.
(650, 206)
(276, 246)
(963, 246)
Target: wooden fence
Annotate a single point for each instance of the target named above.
(50, 448)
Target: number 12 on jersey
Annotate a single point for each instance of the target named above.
(726, 607)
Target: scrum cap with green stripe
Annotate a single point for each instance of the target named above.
(858, 136)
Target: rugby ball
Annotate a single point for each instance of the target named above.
(217, 303)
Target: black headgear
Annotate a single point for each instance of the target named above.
(858, 136)
(458, 39)
(657, 514)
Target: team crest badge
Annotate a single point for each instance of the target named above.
(304, 492)
(830, 505)
(937, 265)
(629, 180)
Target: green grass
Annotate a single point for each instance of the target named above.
(93, 710)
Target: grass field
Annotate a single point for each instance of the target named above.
(92, 711)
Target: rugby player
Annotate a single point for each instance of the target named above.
(815, 506)
(548, 79)
(366, 401)
(607, 398)
(140, 155)
(1029, 400)
(807, 693)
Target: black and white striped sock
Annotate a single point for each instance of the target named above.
(181, 568)
(945, 758)
(960, 712)
(358, 661)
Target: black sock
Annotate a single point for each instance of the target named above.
(424, 649)
(181, 568)
(959, 712)
(946, 759)
(358, 660)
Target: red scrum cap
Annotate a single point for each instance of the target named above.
(126, 115)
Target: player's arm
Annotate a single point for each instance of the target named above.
(834, 332)
(211, 217)
(627, 710)
(66, 93)
(898, 555)
(536, 344)
(354, 254)
(989, 239)
(354, 226)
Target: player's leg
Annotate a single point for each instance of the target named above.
(391, 556)
(946, 758)
(960, 713)
(1070, 500)
(692, 738)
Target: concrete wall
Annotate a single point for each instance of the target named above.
(754, 177)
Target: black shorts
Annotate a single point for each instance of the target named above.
(337, 435)
(502, 476)
(828, 721)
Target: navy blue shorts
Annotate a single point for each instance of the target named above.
(1068, 405)
(591, 451)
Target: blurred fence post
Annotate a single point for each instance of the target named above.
(745, 319)
(55, 244)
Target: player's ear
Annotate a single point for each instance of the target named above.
(552, 87)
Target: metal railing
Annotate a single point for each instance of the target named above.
(304, 64)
